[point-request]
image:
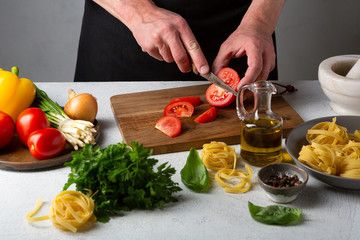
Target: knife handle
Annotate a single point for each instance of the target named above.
(194, 69)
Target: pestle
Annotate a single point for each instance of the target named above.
(354, 72)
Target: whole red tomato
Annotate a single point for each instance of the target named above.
(46, 143)
(7, 129)
(30, 120)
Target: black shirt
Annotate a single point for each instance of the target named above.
(109, 52)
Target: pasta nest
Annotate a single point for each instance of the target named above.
(221, 158)
(69, 211)
(332, 150)
(328, 133)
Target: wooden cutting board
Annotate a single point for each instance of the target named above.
(137, 113)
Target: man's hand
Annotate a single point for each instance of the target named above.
(163, 34)
(253, 38)
(166, 36)
(258, 48)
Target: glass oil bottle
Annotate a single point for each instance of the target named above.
(261, 129)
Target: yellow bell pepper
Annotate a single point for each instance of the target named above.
(16, 94)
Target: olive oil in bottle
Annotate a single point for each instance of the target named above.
(260, 141)
(261, 129)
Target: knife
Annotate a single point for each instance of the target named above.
(211, 77)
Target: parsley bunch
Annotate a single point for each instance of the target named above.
(122, 178)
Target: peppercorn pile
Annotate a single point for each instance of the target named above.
(284, 181)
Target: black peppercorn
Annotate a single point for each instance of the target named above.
(284, 181)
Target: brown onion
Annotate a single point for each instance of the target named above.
(81, 106)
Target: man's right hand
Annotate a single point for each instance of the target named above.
(163, 34)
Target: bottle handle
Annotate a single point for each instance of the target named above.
(240, 109)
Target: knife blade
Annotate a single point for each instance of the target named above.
(218, 82)
(211, 77)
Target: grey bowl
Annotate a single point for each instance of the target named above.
(286, 194)
(297, 138)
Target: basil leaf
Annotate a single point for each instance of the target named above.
(275, 214)
(194, 175)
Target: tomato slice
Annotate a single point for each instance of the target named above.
(179, 109)
(229, 76)
(169, 125)
(207, 116)
(195, 101)
(219, 97)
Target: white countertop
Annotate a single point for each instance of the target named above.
(328, 213)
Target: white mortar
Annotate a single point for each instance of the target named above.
(343, 92)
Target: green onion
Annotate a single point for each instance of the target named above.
(76, 132)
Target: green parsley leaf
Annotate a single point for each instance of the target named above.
(122, 177)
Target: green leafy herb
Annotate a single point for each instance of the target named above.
(122, 177)
(194, 174)
(275, 214)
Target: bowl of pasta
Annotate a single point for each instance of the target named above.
(329, 149)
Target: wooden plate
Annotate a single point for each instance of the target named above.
(17, 157)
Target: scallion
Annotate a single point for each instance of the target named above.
(76, 132)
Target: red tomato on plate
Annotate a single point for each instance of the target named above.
(7, 129)
(219, 97)
(179, 109)
(30, 120)
(169, 125)
(207, 116)
(46, 143)
(195, 101)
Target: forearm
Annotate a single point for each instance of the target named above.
(129, 12)
(262, 15)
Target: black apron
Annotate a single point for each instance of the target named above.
(109, 52)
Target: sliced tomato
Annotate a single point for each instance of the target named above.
(179, 109)
(169, 125)
(193, 100)
(207, 116)
(219, 97)
(229, 76)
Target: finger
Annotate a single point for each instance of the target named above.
(255, 65)
(155, 54)
(151, 48)
(268, 65)
(264, 72)
(194, 50)
(223, 58)
(197, 56)
(179, 54)
(166, 54)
